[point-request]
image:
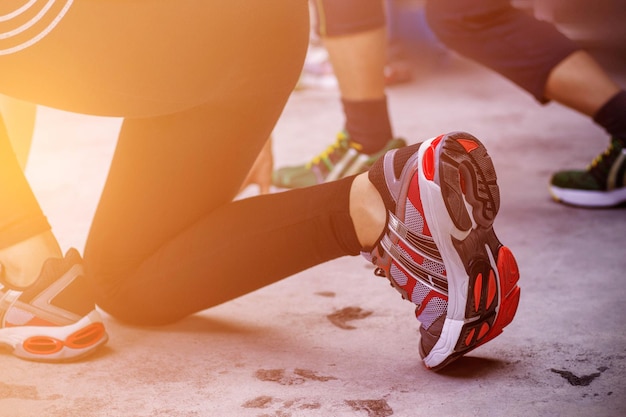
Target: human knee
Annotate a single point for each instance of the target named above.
(346, 17)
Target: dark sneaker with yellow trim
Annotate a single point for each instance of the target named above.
(54, 319)
(602, 184)
(440, 250)
(341, 159)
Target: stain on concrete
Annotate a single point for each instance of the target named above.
(279, 376)
(263, 401)
(341, 317)
(579, 381)
(302, 404)
(374, 408)
(312, 375)
(24, 392)
(274, 407)
(310, 406)
(328, 294)
(297, 377)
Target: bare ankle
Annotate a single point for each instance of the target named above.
(367, 210)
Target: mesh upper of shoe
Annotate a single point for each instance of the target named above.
(59, 296)
(431, 302)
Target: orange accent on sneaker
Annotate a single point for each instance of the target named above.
(38, 321)
(483, 330)
(509, 291)
(507, 267)
(428, 161)
(85, 337)
(468, 144)
(81, 339)
(470, 336)
(42, 345)
(428, 164)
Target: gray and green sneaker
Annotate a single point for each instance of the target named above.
(602, 184)
(341, 159)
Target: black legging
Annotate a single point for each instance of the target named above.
(200, 84)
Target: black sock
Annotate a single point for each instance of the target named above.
(367, 123)
(612, 117)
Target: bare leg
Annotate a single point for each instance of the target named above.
(359, 63)
(367, 211)
(580, 83)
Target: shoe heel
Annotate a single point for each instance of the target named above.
(467, 174)
(510, 291)
(484, 290)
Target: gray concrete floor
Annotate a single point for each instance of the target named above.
(276, 352)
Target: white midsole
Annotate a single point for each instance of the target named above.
(15, 336)
(443, 229)
(589, 198)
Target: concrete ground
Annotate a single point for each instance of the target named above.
(335, 340)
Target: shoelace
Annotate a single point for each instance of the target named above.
(339, 144)
(601, 164)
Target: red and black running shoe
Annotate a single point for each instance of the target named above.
(440, 250)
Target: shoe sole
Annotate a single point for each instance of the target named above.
(458, 189)
(56, 343)
(591, 199)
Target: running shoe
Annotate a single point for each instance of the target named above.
(341, 159)
(440, 250)
(602, 184)
(52, 320)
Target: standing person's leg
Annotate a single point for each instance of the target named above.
(580, 83)
(355, 36)
(542, 61)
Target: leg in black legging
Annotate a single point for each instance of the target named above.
(167, 241)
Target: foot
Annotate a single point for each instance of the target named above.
(602, 184)
(53, 319)
(341, 159)
(439, 249)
